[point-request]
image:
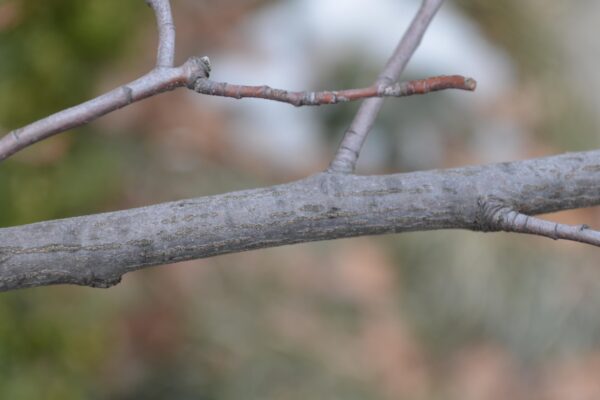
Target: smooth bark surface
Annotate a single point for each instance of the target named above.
(305, 98)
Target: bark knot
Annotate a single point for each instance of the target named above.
(492, 214)
(197, 68)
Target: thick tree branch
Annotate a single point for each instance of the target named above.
(352, 142)
(166, 33)
(97, 250)
(402, 89)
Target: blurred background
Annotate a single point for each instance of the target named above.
(433, 315)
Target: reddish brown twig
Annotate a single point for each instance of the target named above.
(194, 74)
(420, 86)
(433, 84)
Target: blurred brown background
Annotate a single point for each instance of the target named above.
(434, 315)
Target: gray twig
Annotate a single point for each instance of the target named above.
(156, 81)
(352, 142)
(166, 33)
(499, 217)
(194, 74)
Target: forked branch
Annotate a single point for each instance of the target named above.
(158, 80)
(194, 74)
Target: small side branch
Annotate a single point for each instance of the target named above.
(496, 217)
(162, 78)
(354, 138)
(157, 81)
(166, 33)
(421, 86)
(194, 74)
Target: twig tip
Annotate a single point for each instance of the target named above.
(470, 84)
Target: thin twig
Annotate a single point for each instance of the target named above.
(420, 86)
(156, 81)
(194, 74)
(349, 150)
(509, 220)
(166, 33)
(162, 78)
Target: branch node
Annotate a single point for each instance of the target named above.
(128, 94)
(206, 64)
(196, 69)
(555, 235)
(492, 214)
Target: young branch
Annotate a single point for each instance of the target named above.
(194, 74)
(97, 250)
(166, 33)
(421, 86)
(352, 142)
(156, 81)
(162, 78)
(503, 218)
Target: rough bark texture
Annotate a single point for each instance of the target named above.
(97, 250)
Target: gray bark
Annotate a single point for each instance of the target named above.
(97, 250)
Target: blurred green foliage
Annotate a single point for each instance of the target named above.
(86, 179)
(51, 54)
(52, 51)
(48, 348)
